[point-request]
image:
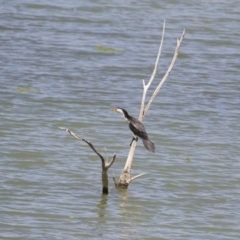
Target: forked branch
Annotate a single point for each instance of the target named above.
(146, 86)
(179, 41)
(105, 164)
(125, 177)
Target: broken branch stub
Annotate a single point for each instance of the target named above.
(105, 164)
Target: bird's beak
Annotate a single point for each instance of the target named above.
(114, 109)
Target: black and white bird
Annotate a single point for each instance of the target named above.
(137, 128)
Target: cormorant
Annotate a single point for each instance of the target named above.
(137, 128)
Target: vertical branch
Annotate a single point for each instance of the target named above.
(125, 177)
(166, 74)
(146, 86)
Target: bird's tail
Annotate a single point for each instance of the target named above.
(148, 145)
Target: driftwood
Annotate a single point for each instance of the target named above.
(105, 164)
(125, 177)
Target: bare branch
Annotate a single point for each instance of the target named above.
(139, 175)
(86, 141)
(125, 177)
(108, 165)
(166, 74)
(71, 133)
(105, 164)
(158, 57)
(145, 87)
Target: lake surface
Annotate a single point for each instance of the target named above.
(65, 64)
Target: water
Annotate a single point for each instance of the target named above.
(53, 73)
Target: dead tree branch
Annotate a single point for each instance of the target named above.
(179, 41)
(146, 87)
(139, 175)
(105, 164)
(125, 177)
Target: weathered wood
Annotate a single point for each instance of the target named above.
(125, 177)
(105, 164)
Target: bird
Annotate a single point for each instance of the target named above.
(137, 128)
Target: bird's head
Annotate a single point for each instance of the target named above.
(122, 111)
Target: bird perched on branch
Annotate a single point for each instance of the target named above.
(137, 128)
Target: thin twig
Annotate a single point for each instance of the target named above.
(86, 141)
(139, 175)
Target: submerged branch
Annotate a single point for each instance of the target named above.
(105, 164)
